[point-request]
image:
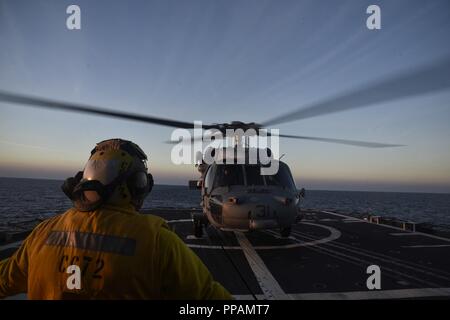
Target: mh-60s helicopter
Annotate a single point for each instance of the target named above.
(236, 196)
(237, 190)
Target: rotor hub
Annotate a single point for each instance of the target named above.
(235, 125)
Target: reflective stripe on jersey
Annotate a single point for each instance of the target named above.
(92, 242)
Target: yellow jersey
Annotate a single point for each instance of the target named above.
(110, 253)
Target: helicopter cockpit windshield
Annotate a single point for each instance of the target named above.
(229, 175)
(282, 178)
(248, 175)
(253, 175)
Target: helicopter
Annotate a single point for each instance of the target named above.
(239, 192)
(245, 199)
(236, 196)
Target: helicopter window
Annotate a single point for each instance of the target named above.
(282, 178)
(253, 175)
(228, 175)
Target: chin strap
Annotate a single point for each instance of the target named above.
(74, 189)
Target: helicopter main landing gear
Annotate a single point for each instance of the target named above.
(286, 232)
(198, 225)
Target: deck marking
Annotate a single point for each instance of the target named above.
(386, 258)
(341, 215)
(193, 237)
(375, 294)
(180, 220)
(358, 261)
(334, 234)
(399, 234)
(248, 297)
(428, 246)
(354, 256)
(388, 226)
(269, 286)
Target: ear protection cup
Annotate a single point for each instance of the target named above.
(150, 182)
(140, 184)
(70, 183)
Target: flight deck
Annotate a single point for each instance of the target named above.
(326, 257)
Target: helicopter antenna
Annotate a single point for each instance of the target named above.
(282, 156)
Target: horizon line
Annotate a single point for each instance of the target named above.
(186, 185)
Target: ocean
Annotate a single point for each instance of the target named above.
(25, 202)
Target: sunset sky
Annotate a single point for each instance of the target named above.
(225, 60)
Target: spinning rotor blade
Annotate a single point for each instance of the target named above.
(195, 139)
(330, 140)
(65, 106)
(343, 141)
(427, 79)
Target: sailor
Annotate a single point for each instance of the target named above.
(102, 248)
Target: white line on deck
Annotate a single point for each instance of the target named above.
(193, 237)
(428, 246)
(248, 297)
(269, 286)
(375, 294)
(396, 234)
(387, 226)
(341, 215)
(334, 234)
(179, 220)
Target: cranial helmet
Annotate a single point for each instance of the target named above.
(116, 173)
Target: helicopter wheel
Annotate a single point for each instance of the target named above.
(198, 228)
(285, 232)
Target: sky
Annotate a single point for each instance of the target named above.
(225, 60)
